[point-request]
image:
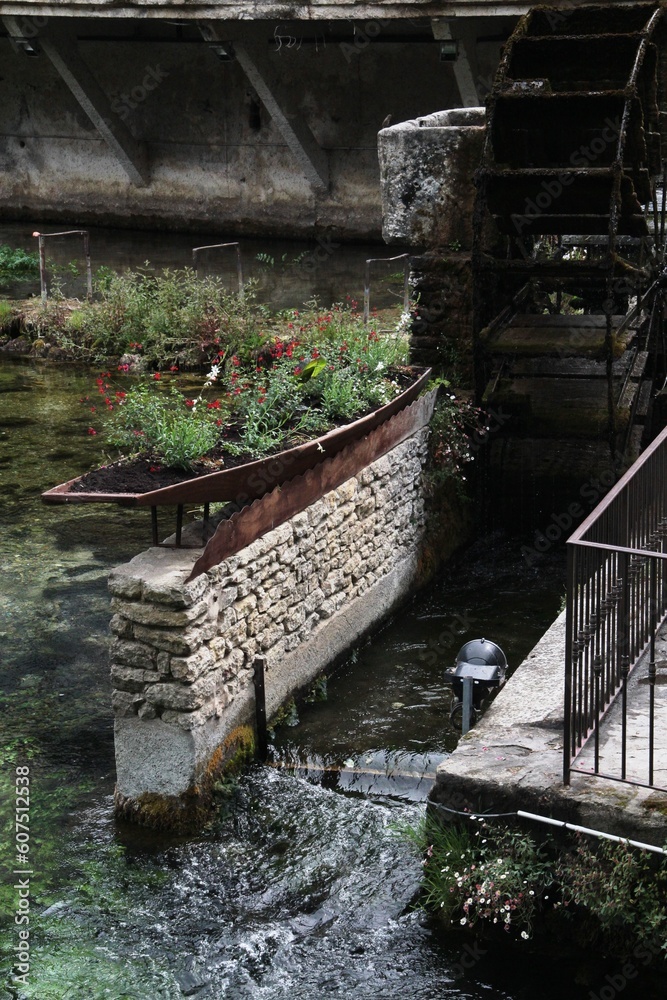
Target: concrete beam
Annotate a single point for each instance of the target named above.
(231, 10)
(60, 47)
(463, 74)
(252, 58)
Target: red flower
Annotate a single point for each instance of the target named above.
(123, 368)
(154, 468)
(93, 409)
(91, 430)
(315, 353)
(235, 361)
(120, 395)
(157, 376)
(215, 405)
(174, 368)
(260, 399)
(297, 371)
(189, 403)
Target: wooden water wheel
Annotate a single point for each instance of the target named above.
(569, 227)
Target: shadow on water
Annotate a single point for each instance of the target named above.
(295, 890)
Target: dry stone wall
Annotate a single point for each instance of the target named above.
(183, 653)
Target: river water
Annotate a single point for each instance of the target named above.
(302, 886)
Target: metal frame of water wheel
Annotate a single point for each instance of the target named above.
(501, 278)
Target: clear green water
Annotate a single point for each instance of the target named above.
(296, 890)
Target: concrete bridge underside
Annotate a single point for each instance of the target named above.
(220, 117)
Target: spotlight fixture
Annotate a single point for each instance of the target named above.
(449, 50)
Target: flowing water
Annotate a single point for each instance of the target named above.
(302, 886)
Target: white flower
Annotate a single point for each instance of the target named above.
(525, 935)
(379, 366)
(463, 920)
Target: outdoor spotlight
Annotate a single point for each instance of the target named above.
(223, 50)
(480, 667)
(449, 50)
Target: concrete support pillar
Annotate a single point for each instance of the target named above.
(60, 47)
(252, 58)
(462, 65)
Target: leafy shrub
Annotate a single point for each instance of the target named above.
(17, 265)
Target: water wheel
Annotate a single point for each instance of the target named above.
(569, 226)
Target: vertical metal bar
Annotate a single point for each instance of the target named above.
(89, 270)
(624, 638)
(179, 524)
(260, 707)
(42, 267)
(367, 291)
(569, 652)
(207, 512)
(406, 285)
(652, 669)
(466, 721)
(154, 525)
(598, 712)
(239, 272)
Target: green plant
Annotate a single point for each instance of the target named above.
(17, 265)
(456, 421)
(487, 874)
(480, 873)
(170, 318)
(164, 424)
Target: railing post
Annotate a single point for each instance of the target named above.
(623, 652)
(569, 652)
(260, 708)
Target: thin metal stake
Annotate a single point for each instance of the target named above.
(154, 525)
(260, 707)
(466, 722)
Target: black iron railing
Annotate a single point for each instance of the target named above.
(616, 602)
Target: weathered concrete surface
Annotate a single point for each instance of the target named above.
(193, 9)
(513, 759)
(218, 149)
(426, 169)
(217, 161)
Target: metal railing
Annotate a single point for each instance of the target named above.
(616, 603)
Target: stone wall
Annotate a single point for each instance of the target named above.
(183, 653)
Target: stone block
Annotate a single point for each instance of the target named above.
(226, 596)
(126, 703)
(246, 606)
(121, 627)
(184, 697)
(130, 678)
(313, 600)
(189, 668)
(280, 536)
(134, 654)
(164, 663)
(271, 636)
(160, 615)
(295, 618)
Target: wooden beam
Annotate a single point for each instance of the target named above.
(60, 47)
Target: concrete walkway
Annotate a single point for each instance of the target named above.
(513, 758)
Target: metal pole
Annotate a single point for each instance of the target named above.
(260, 707)
(466, 722)
(89, 270)
(42, 266)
